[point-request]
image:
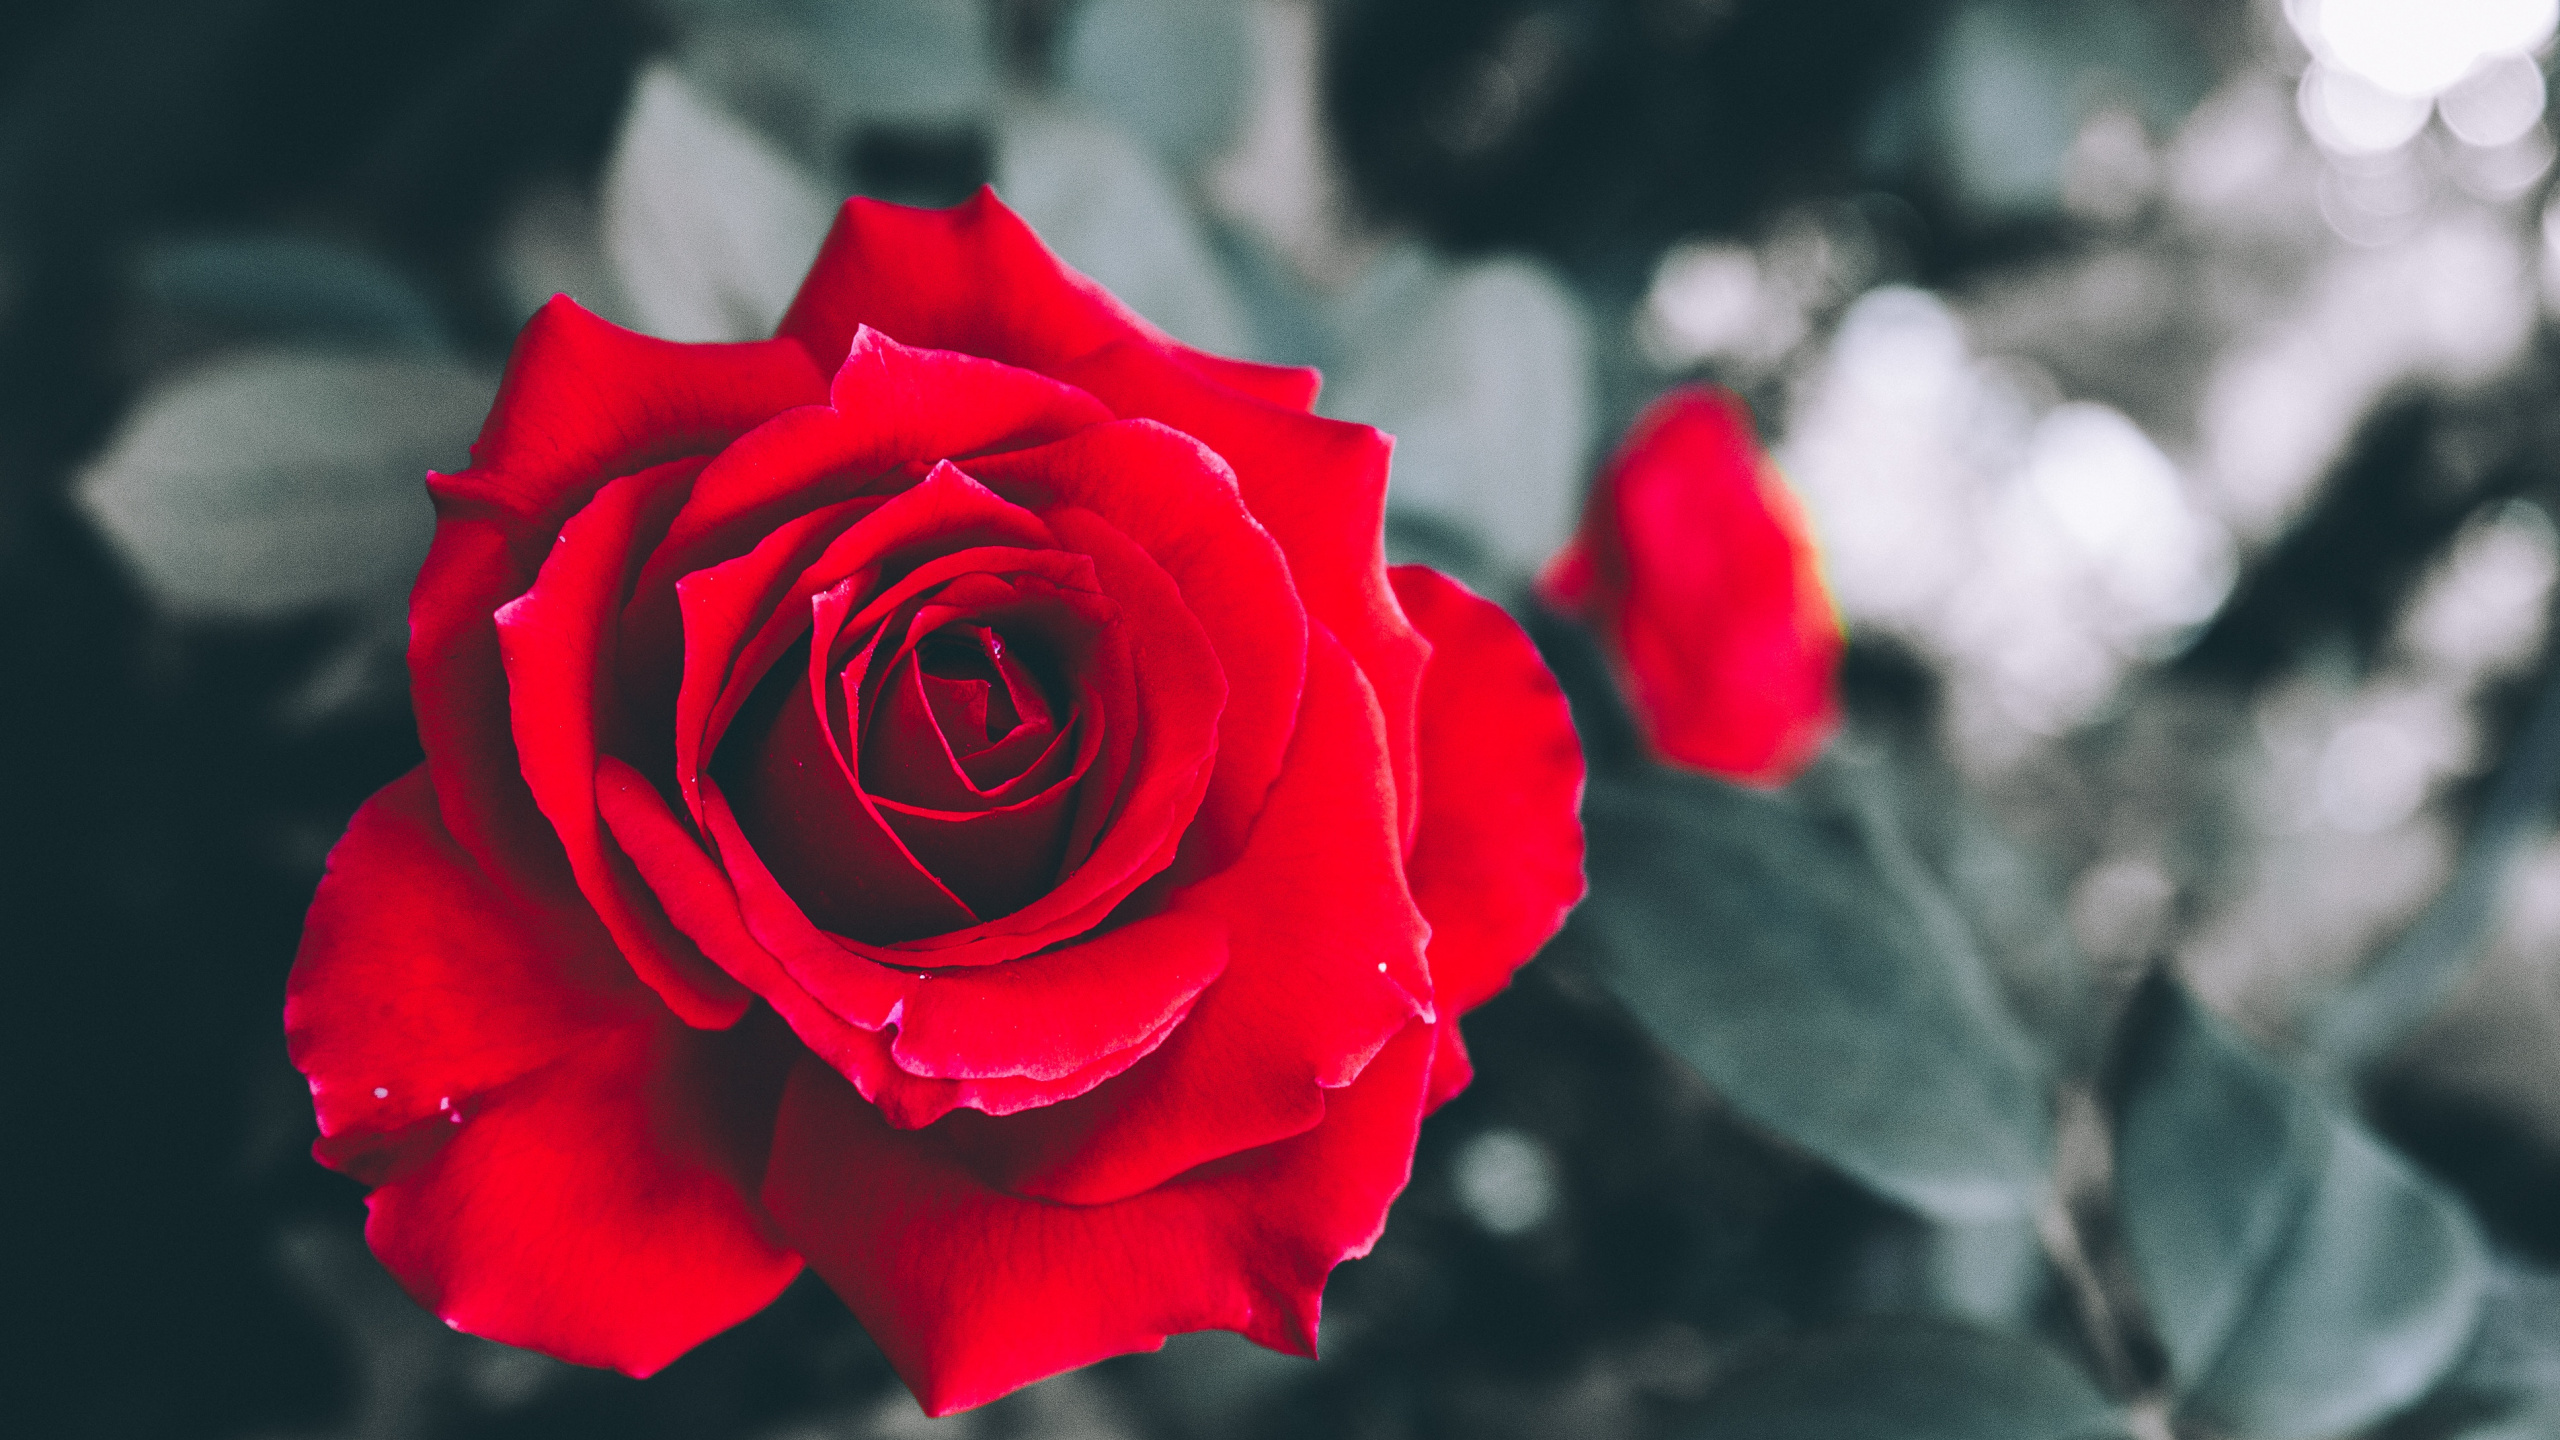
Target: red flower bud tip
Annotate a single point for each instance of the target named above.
(1696, 569)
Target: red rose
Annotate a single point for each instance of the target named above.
(1695, 566)
(949, 794)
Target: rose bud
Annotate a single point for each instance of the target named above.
(949, 796)
(1696, 570)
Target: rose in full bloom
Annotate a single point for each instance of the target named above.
(949, 796)
(1696, 569)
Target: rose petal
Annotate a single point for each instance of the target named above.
(740, 615)
(1086, 634)
(1049, 1016)
(583, 402)
(384, 992)
(1324, 964)
(1697, 568)
(702, 900)
(1451, 1069)
(1497, 860)
(560, 1163)
(1231, 578)
(560, 661)
(972, 278)
(826, 843)
(784, 927)
(996, 860)
(889, 406)
(1318, 486)
(981, 700)
(909, 757)
(738, 619)
(999, 1038)
(972, 1292)
(1291, 387)
(1159, 740)
(1053, 595)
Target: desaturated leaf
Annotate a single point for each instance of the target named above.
(1908, 1381)
(1111, 212)
(812, 74)
(2214, 1154)
(1768, 951)
(2304, 1279)
(709, 226)
(1175, 74)
(1990, 1271)
(551, 242)
(2009, 905)
(362, 670)
(2508, 1385)
(1482, 373)
(279, 289)
(2005, 90)
(270, 482)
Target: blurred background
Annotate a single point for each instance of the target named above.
(2171, 385)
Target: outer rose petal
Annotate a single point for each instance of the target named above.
(558, 647)
(1319, 486)
(972, 278)
(888, 406)
(560, 1163)
(1497, 859)
(1291, 387)
(1451, 1069)
(583, 402)
(1697, 569)
(972, 1292)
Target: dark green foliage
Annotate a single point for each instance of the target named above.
(1771, 951)
(1908, 1381)
(2304, 1280)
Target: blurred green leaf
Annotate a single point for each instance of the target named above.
(1991, 1272)
(1176, 74)
(1482, 372)
(2010, 87)
(709, 226)
(2508, 1384)
(1111, 211)
(812, 74)
(267, 483)
(2304, 1279)
(2006, 904)
(1771, 952)
(1908, 1381)
(280, 289)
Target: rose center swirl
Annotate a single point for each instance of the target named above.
(913, 783)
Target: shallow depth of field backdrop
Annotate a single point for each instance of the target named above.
(2143, 1020)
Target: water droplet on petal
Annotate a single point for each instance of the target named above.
(381, 1092)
